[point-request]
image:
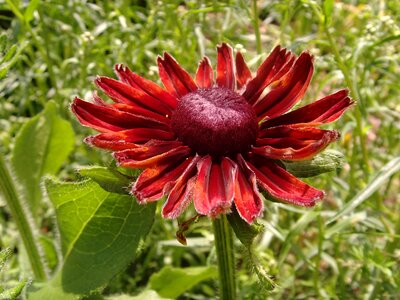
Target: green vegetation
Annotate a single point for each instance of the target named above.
(62, 235)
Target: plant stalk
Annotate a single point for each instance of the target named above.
(20, 216)
(223, 236)
(349, 81)
(256, 27)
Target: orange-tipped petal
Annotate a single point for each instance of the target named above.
(225, 67)
(107, 118)
(247, 197)
(299, 143)
(128, 139)
(150, 88)
(151, 154)
(205, 74)
(176, 80)
(215, 186)
(268, 70)
(158, 180)
(282, 185)
(123, 93)
(325, 110)
(180, 195)
(243, 73)
(286, 91)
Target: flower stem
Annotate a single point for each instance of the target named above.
(354, 92)
(9, 192)
(223, 236)
(256, 27)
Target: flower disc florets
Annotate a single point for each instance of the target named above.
(215, 121)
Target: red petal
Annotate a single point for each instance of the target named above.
(325, 110)
(176, 80)
(180, 195)
(215, 186)
(205, 74)
(247, 198)
(288, 90)
(283, 185)
(225, 67)
(151, 154)
(243, 73)
(298, 143)
(107, 118)
(98, 100)
(155, 182)
(273, 64)
(150, 88)
(128, 139)
(124, 93)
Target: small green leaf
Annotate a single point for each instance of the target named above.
(328, 161)
(100, 233)
(109, 179)
(380, 177)
(14, 292)
(4, 255)
(328, 10)
(245, 232)
(28, 14)
(172, 282)
(50, 251)
(41, 147)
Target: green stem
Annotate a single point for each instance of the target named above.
(223, 236)
(20, 216)
(350, 83)
(256, 26)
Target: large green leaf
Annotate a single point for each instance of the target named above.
(145, 295)
(172, 282)
(100, 233)
(41, 147)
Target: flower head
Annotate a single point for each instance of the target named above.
(214, 140)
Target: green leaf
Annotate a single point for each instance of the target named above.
(28, 14)
(11, 57)
(4, 255)
(100, 233)
(145, 295)
(172, 282)
(245, 232)
(41, 147)
(109, 179)
(294, 232)
(328, 10)
(381, 176)
(14, 292)
(328, 161)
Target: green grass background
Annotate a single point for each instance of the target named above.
(65, 44)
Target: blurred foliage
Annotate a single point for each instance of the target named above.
(53, 50)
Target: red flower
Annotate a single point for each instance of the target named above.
(213, 139)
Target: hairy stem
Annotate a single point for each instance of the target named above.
(223, 236)
(20, 216)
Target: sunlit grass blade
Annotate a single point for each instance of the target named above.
(379, 179)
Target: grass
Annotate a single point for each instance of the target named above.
(67, 43)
